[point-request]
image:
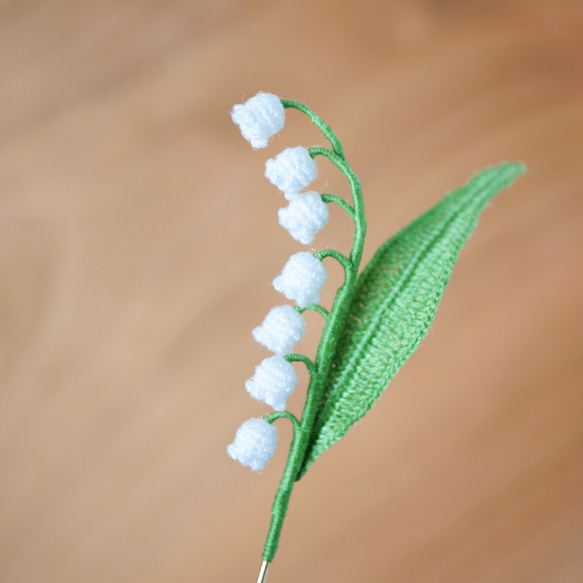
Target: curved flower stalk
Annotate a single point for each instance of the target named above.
(377, 318)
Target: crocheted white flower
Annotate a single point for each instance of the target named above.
(291, 170)
(273, 382)
(280, 330)
(304, 216)
(302, 279)
(254, 444)
(259, 118)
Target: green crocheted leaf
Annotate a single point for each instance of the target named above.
(395, 301)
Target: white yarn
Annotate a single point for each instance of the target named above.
(273, 382)
(259, 118)
(254, 444)
(280, 330)
(304, 216)
(291, 170)
(302, 279)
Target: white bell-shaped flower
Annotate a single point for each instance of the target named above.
(291, 170)
(304, 216)
(254, 444)
(302, 279)
(259, 118)
(280, 330)
(273, 382)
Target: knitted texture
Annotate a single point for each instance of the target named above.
(254, 444)
(282, 328)
(395, 301)
(259, 118)
(304, 216)
(302, 279)
(291, 170)
(273, 382)
(377, 318)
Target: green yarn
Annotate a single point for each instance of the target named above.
(294, 357)
(283, 415)
(315, 308)
(378, 318)
(395, 302)
(318, 122)
(340, 202)
(342, 259)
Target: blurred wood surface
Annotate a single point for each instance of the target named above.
(138, 242)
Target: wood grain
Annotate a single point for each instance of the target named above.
(138, 238)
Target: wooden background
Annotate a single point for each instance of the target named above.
(138, 242)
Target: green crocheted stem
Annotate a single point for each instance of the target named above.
(293, 357)
(340, 202)
(318, 122)
(342, 259)
(283, 415)
(335, 320)
(357, 208)
(314, 308)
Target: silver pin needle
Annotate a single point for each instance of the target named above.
(263, 572)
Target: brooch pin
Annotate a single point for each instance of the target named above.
(378, 316)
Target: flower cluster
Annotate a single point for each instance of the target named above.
(291, 171)
(344, 381)
(301, 279)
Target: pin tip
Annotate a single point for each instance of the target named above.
(263, 572)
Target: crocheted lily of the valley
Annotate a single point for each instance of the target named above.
(378, 316)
